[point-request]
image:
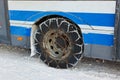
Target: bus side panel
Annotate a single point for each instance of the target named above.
(99, 51)
(25, 43)
(98, 46)
(102, 52)
(97, 26)
(20, 36)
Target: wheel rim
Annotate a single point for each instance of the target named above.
(57, 44)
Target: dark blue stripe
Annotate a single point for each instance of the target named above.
(20, 31)
(21, 15)
(99, 39)
(95, 19)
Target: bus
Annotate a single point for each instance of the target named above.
(61, 32)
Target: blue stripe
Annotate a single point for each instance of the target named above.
(21, 15)
(91, 38)
(20, 31)
(100, 39)
(95, 19)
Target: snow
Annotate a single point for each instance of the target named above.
(16, 64)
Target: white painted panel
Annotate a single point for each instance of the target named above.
(66, 6)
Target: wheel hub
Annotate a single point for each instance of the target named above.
(57, 44)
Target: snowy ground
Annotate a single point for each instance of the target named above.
(15, 64)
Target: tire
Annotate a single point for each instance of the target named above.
(59, 42)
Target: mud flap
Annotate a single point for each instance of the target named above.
(33, 50)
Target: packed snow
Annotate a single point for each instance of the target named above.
(16, 64)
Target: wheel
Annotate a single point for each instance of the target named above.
(59, 42)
